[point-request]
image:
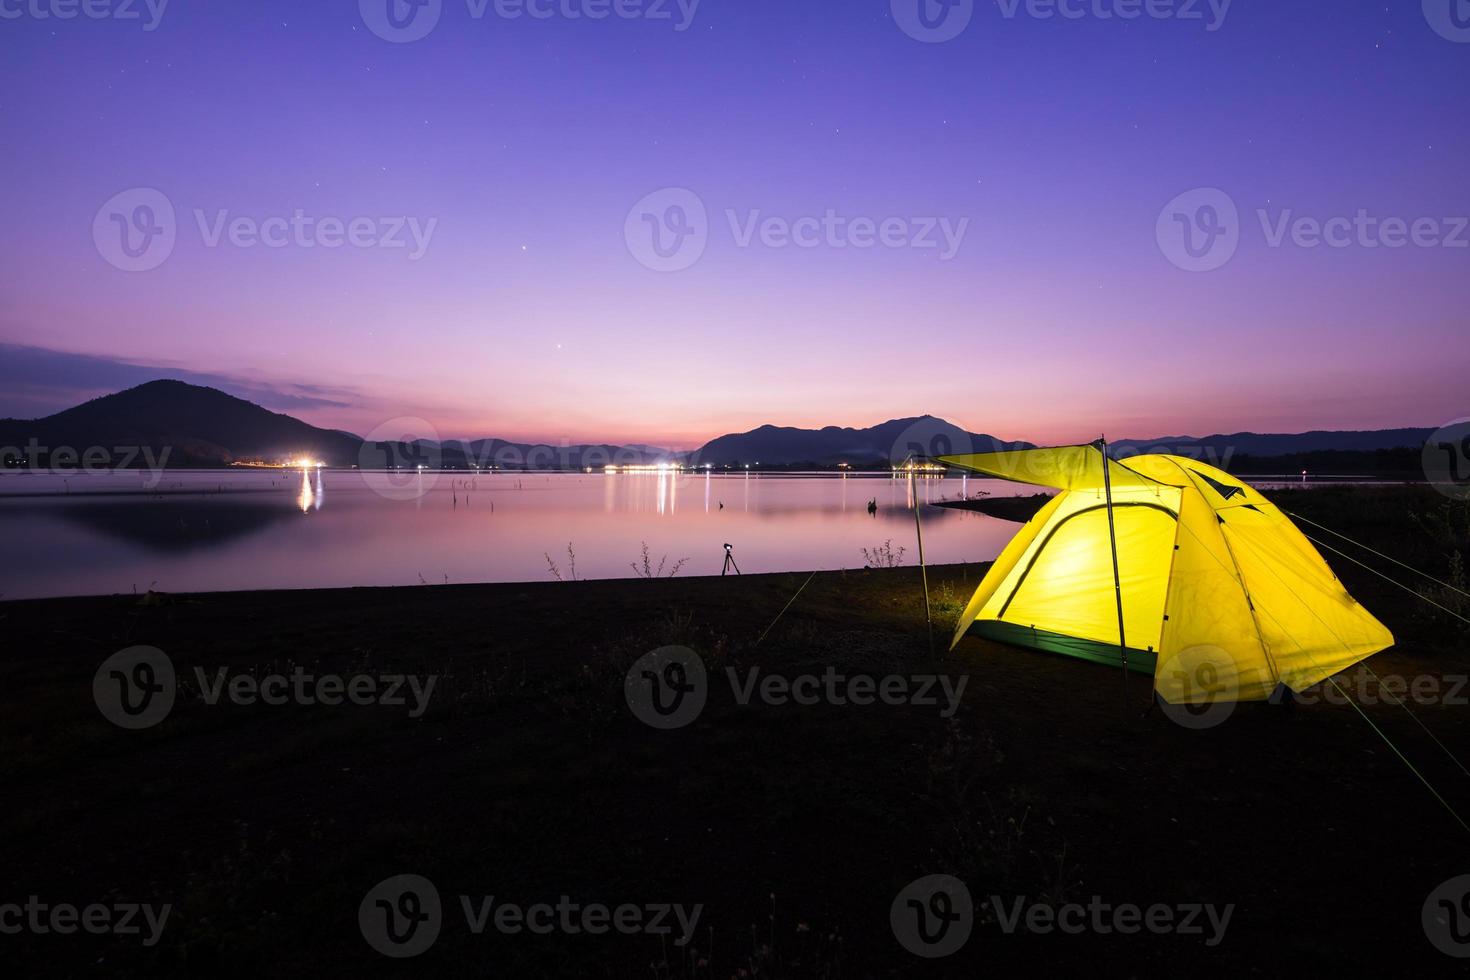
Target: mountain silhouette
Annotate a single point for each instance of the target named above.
(198, 426)
(888, 442)
(1222, 446)
(201, 426)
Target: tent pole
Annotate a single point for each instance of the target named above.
(1102, 444)
(923, 570)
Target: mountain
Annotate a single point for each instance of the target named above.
(889, 442)
(1222, 448)
(200, 426)
(196, 425)
(894, 441)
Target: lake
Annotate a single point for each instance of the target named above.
(208, 530)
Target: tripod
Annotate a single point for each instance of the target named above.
(729, 562)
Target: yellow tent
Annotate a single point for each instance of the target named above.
(1167, 566)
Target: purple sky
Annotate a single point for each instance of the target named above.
(527, 142)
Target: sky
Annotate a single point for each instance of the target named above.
(1038, 227)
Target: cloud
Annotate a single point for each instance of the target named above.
(39, 381)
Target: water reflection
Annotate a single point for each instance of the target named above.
(305, 497)
(242, 529)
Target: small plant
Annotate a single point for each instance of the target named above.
(946, 600)
(571, 564)
(883, 556)
(648, 571)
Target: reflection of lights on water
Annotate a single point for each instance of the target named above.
(305, 497)
(641, 468)
(667, 491)
(320, 493)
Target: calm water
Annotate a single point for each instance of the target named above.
(104, 533)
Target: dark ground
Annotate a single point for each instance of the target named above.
(528, 778)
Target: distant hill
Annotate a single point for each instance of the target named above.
(889, 442)
(1220, 449)
(893, 441)
(198, 426)
(201, 426)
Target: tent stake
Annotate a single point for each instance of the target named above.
(1113, 544)
(923, 570)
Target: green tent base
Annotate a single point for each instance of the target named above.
(1139, 661)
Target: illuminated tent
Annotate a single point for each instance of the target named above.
(1170, 567)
